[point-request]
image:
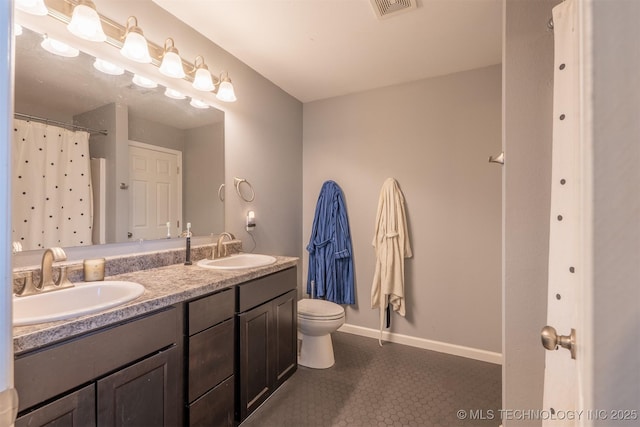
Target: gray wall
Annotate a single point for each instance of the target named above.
(203, 173)
(434, 136)
(616, 91)
(528, 91)
(154, 133)
(114, 119)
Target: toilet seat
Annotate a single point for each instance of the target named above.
(317, 309)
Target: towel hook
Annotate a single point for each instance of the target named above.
(498, 159)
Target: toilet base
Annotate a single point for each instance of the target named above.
(316, 351)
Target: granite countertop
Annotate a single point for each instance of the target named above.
(164, 286)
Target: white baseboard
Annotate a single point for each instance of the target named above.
(442, 347)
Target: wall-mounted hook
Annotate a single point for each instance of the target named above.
(124, 186)
(498, 159)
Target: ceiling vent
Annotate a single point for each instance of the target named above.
(387, 8)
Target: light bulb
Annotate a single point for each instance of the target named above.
(171, 65)
(107, 67)
(226, 92)
(34, 7)
(85, 22)
(144, 82)
(135, 45)
(196, 103)
(172, 93)
(58, 48)
(202, 79)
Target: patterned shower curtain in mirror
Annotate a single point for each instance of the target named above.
(51, 186)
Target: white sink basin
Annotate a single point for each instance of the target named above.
(237, 262)
(83, 298)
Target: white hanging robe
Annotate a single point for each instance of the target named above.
(392, 246)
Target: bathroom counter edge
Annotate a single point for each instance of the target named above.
(164, 287)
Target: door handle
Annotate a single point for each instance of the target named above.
(551, 340)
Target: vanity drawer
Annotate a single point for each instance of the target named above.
(214, 408)
(258, 291)
(210, 310)
(211, 355)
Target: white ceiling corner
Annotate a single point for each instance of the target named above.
(316, 49)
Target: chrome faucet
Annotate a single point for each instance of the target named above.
(46, 269)
(220, 250)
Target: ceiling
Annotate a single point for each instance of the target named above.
(316, 49)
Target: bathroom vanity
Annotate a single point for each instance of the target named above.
(200, 347)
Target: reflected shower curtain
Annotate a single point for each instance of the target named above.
(566, 217)
(51, 182)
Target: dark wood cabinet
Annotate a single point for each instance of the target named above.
(137, 395)
(267, 338)
(210, 346)
(125, 375)
(285, 317)
(75, 409)
(205, 362)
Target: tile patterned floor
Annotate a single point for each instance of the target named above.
(393, 385)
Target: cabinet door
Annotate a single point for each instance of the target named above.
(256, 364)
(143, 394)
(285, 317)
(75, 409)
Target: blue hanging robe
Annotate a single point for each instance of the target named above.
(330, 255)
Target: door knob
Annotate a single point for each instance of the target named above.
(551, 340)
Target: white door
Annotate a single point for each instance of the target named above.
(155, 191)
(570, 263)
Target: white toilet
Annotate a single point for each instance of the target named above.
(317, 319)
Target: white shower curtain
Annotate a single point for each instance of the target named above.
(566, 218)
(51, 186)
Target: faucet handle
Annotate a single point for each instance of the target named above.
(24, 280)
(63, 275)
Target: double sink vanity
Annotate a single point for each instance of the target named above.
(201, 344)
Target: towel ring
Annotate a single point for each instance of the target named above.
(221, 192)
(236, 182)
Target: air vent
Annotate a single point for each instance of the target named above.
(387, 8)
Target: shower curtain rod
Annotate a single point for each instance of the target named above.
(56, 122)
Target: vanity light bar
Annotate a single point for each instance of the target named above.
(115, 32)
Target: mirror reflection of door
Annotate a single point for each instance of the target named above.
(155, 191)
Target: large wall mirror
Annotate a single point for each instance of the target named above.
(159, 166)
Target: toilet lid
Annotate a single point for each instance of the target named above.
(319, 308)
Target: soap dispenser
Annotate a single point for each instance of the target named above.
(188, 254)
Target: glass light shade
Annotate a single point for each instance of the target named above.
(226, 92)
(198, 104)
(17, 29)
(172, 93)
(34, 7)
(135, 48)
(85, 23)
(144, 82)
(107, 67)
(203, 81)
(172, 65)
(58, 48)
